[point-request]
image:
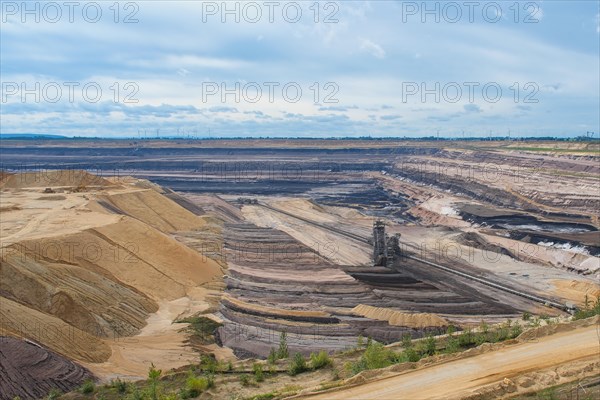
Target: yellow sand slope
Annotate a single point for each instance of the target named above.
(95, 263)
(399, 318)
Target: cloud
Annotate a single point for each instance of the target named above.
(223, 109)
(554, 87)
(183, 62)
(390, 117)
(170, 65)
(376, 50)
(472, 108)
(338, 108)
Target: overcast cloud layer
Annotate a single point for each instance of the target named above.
(364, 68)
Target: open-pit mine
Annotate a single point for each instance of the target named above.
(213, 259)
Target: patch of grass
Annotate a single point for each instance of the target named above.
(245, 380)
(331, 385)
(547, 394)
(263, 396)
(588, 310)
(320, 360)
(466, 338)
(195, 385)
(201, 328)
(290, 390)
(52, 395)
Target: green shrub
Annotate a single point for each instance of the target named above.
(466, 338)
(208, 364)
(258, 372)
(88, 387)
(52, 395)
(183, 394)
(119, 385)
(484, 328)
(516, 330)
(377, 356)
(297, 365)
(407, 340)
(526, 316)
(429, 345)
(272, 358)
(501, 333)
(210, 380)
(320, 360)
(283, 351)
(153, 376)
(360, 342)
(452, 345)
(135, 393)
(195, 385)
(411, 355)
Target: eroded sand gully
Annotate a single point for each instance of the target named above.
(99, 265)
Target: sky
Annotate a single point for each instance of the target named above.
(300, 69)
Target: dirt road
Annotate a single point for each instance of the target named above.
(458, 378)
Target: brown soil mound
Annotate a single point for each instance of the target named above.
(102, 280)
(94, 270)
(52, 178)
(280, 312)
(24, 322)
(399, 318)
(30, 371)
(152, 208)
(576, 291)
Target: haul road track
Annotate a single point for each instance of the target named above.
(460, 378)
(487, 282)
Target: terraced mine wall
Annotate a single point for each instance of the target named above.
(276, 284)
(28, 371)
